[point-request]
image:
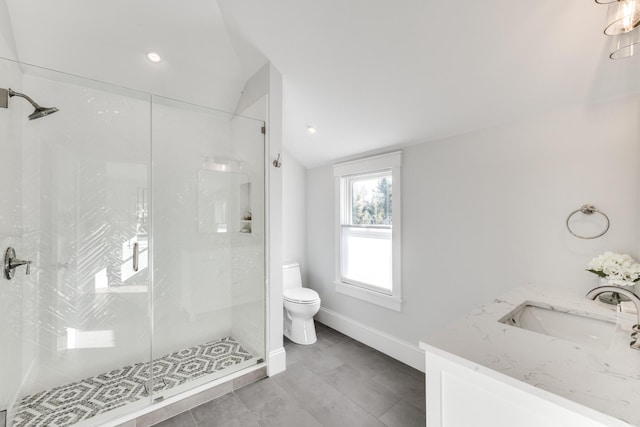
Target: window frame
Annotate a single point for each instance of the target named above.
(375, 165)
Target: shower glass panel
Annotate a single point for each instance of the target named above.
(209, 244)
(147, 277)
(76, 332)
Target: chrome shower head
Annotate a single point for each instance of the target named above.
(37, 113)
(41, 112)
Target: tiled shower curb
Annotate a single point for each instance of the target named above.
(182, 405)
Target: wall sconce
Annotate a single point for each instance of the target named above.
(625, 45)
(623, 17)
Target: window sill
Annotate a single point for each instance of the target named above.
(388, 301)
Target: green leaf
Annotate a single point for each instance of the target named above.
(599, 273)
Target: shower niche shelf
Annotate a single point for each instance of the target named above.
(224, 202)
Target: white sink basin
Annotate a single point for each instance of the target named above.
(559, 323)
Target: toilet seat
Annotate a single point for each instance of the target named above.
(301, 296)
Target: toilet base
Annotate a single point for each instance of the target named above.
(300, 331)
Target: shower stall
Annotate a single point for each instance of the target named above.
(143, 219)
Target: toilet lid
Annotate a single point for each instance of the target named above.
(301, 295)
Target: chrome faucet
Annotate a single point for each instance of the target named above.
(593, 294)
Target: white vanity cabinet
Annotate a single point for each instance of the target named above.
(482, 371)
(461, 393)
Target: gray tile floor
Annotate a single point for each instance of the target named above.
(335, 382)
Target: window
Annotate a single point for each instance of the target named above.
(368, 229)
(365, 228)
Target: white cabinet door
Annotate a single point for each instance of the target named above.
(459, 396)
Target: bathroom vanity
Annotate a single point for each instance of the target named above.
(534, 357)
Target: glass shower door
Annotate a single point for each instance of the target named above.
(209, 244)
(83, 329)
(76, 333)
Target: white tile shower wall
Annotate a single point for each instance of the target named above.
(14, 363)
(485, 211)
(192, 281)
(82, 168)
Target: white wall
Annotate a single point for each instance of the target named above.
(7, 40)
(485, 211)
(294, 212)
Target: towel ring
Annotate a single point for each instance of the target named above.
(588, 210)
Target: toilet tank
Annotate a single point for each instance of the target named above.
(291, 277)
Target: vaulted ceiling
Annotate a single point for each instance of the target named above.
(367, 74)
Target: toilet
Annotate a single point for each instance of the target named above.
(300, 305)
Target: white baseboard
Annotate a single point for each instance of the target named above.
(400, 350)
(277, 362)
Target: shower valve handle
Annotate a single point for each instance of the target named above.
(18, 262)
(11, 263)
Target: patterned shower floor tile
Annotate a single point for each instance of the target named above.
(68, 404)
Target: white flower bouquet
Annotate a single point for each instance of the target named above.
(618, 269)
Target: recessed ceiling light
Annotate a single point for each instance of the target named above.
(154, 57)
(311, 129)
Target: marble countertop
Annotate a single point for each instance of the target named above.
(605, 380)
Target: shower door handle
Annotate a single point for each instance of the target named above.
(135, 256)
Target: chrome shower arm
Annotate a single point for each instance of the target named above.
(13, 93)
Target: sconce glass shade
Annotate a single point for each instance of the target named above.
(625, 45)
(622, 17)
